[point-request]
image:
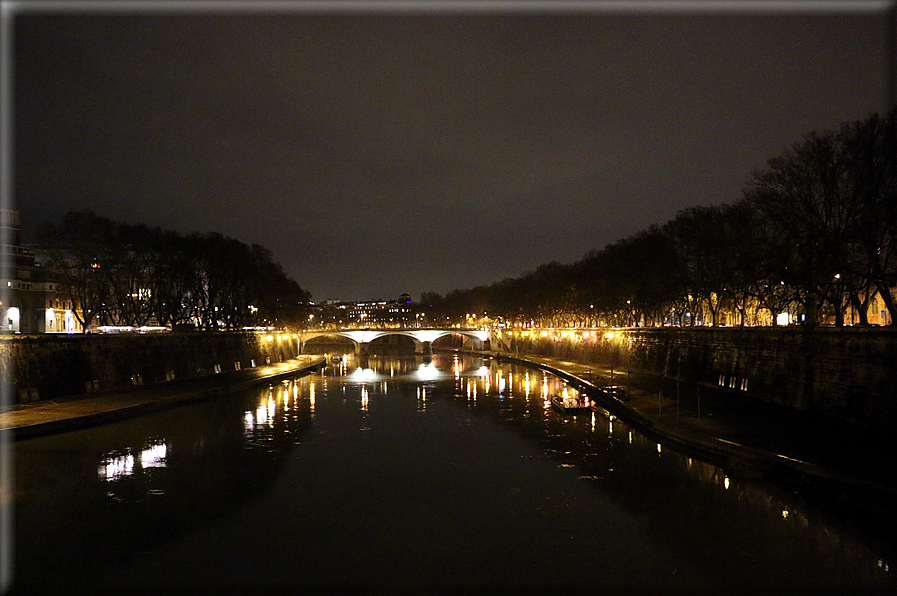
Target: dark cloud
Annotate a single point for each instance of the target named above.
(383, 153)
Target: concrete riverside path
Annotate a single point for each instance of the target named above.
(24, 421)
(733, 430)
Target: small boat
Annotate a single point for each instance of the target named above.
(571, 405)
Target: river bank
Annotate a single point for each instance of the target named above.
(741, 433)
(23, 421)
(844, 373)
(44, 367)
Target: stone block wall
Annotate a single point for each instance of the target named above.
(850, 373)
(53, 366)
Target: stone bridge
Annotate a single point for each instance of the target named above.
(423, 338)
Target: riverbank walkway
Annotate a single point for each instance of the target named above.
(22, 421)
(735, 430)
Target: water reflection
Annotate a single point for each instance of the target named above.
(428, 372)
(87, 498)
(311, 397)
(116, 465)
(363, 375)
(746, 508)
(279, 411)
(421, 394)
(143, 485)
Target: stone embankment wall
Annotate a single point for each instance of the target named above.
(41, 367)
(850, 373)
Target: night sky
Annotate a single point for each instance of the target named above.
(411, 149)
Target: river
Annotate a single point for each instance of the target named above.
(406, 473)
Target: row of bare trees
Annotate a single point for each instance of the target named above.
(815, 234)
(126, 274)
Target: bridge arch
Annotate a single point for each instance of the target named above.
(418, 344)
(423, 338)
(305, 338)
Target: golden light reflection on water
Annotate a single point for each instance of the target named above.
(497, 383)
(427, 372)
(265, 411)
(363, 375)
(421, 398)
(259, 418)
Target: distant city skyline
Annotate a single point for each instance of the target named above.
(398, 149)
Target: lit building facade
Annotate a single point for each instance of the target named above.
(32, 301)
(360, 315)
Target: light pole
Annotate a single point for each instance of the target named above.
(610, 336)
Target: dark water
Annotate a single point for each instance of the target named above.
(400, 474)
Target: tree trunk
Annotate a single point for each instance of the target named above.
(885, 293)
(861, 307)
(839, 313)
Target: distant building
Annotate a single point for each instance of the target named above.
(377, 314)
(876, 312)
(32, 300)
